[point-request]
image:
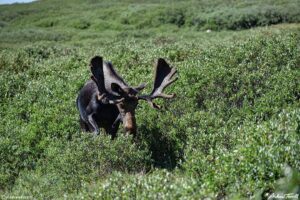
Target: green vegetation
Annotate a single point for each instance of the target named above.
(232, 132)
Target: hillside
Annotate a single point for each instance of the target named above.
(232, 132)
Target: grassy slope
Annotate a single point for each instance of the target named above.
(231, 130)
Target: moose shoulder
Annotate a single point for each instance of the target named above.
(107, 100)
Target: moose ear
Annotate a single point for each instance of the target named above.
(140, 87)
(117, 89)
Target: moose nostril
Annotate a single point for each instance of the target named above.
(128, 128)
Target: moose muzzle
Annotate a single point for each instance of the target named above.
(129, 123)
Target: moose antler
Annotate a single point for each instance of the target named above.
(96, 65)
(163, 78)
(105, 76)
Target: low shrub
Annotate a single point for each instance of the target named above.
(232, 127)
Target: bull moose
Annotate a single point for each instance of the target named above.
(106, 99)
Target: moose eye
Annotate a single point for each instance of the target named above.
(121, 105)
(132, 101)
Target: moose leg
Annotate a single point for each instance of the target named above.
(94, 124)
(113, 129)
(83, 125)
(117, 121)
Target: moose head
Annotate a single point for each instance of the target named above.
(107, 100)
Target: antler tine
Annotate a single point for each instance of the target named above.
(172, 73)
(140, 87)
(149, 100)
(115, 101)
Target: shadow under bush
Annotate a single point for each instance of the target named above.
(165, 153)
